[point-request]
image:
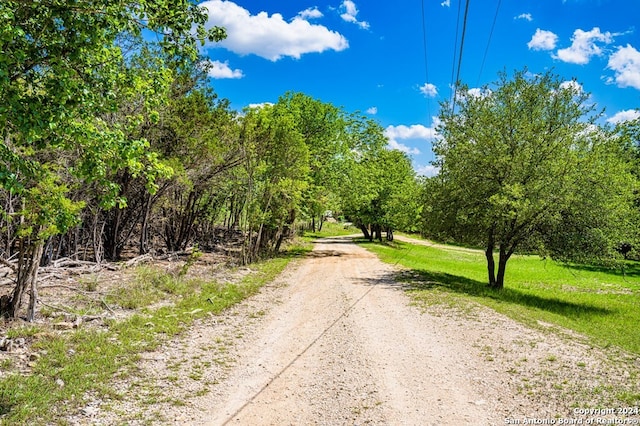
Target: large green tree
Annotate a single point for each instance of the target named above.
(276, 166)
(60, 70)
(519, 161)
(321, 126)
(379, 186)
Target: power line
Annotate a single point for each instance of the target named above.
(489, 41)
(455, 45)
(464, 30)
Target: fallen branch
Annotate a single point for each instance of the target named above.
(138, 260)
(65, 262)
(79, 318)
(9, 265)
(68, 287)
(104, 303)
(86, 269)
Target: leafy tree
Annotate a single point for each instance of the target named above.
(517, 163)
(277, 173)
(60, 66)
(321, 125)
(399, 192)
(379, 185)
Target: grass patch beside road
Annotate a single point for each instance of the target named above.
(330, 229)
(599, 303)
(69, 366)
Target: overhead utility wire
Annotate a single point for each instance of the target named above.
(464, 30)
(495, 18)
(455, 45)
(426, 63)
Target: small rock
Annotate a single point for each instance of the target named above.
(90, 411)
(6, 345)
(60, 383)
(34, 357)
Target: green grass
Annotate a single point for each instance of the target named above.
(76, 363)
(330, 229)
(600, 303)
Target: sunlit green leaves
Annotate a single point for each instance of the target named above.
(524, 165)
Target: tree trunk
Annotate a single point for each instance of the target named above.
(313, 224)
(321, 222)
(502, 265)
(29, 260)
(365, 231)
(143, 247)
(490, 262)
(389, 234)
(112, 245)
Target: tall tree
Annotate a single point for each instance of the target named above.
(515, 162)
(378, 182)
(277, 173)
(60, 66)
(321, 126)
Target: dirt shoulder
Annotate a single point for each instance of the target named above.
(335, 341)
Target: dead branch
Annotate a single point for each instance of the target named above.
(106, 305)
(66, 262)
(85, 292)
(79, 318)
(9, 265)
(145, 258)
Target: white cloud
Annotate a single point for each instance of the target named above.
(260, 105)
(476, 92)
(428, 171)
(311, 13)
(583, 46)
(626, 63)
(218, 70)
(446, 3)
(543, 40)
(350, 13)
(270, 37)
(393, 144)
(372, 111)
(627, 115)
(572, 85)
(525, 16)
(395, 134)
(415, 131)
(429, 90)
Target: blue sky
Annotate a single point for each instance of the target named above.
(370, 56)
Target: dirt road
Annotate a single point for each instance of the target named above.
(335, 340)
(345, 347)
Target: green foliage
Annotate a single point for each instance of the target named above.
(523, 165)
(191, 260)
(62, 71)
(381, 189)
(277, 170)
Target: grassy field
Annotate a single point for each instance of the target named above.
(67, 366)
(599, 303)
